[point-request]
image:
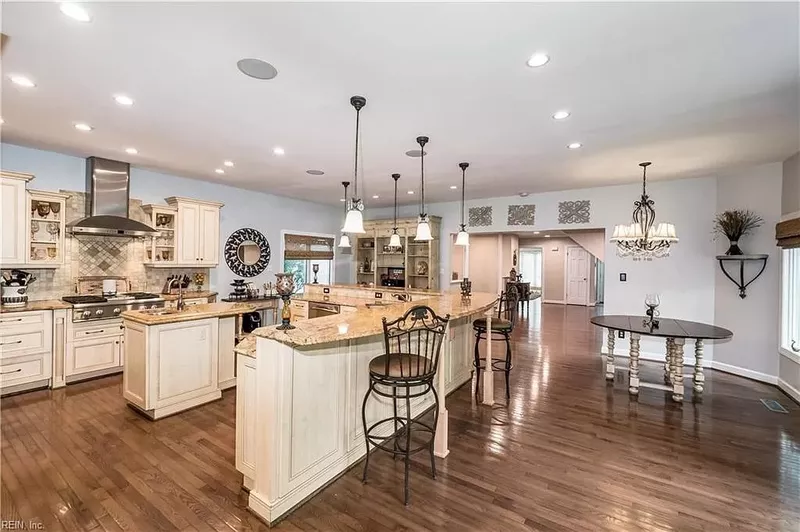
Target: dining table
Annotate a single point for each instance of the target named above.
(675, 333)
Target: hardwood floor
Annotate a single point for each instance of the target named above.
(568, 452)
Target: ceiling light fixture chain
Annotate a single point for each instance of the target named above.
(643, 239)
(394, 239)
(354, 221)
(462, 239)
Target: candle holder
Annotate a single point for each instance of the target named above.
(466, 289)
(285, 288)
(652, 301)
(315, 269)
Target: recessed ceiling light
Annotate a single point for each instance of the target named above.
(547, 236)
(22, 81)
(375, 196)
(536, 232)
(277, 150)
(574, 145)
(315, 172)
(410, 191)
(524, 194)
(229, 164)
(121, 99)
(538, 59)
(219, 171)
(80, 126)
(256, 68)
(415, 153)
(453, 187)
(74, 11)
(132, 151)
(560, 115)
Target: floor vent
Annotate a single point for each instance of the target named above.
(774, 406)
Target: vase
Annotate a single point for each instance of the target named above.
(734, 248)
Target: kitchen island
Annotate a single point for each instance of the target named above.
(299, 394)
(179, 359)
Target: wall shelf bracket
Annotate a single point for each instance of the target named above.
(742, 260)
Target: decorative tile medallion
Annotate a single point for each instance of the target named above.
(521, 214)
(574, 212)
(102, 256)
(480, 216)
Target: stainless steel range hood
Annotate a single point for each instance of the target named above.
(108, 187)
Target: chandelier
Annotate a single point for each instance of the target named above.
(643, 239)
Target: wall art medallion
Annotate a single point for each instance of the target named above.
(574, 212)
(480, 216)
(521, 214)
(247, 252)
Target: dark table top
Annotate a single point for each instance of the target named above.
(667, 327)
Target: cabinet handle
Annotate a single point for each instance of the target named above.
(7, 372)
(9, 321)
(95, 332)
(794, 347)
(11, 343)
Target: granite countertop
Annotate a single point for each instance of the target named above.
(344, 301)
(367, 321)
(190, 313)
(47, 304)
(247, 346)
(385, 289)
(188, 295)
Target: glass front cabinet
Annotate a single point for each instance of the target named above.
(46, 228)
(160, 250)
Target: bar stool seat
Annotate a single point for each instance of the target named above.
(406, 371)
(502, 327)
(498, 324)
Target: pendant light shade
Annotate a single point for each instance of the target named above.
(423, 227)
(344, 242)
(462, 239)
(394, 240)
(354, 222)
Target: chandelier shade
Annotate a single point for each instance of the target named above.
(462, 238)
(423, 230)
(354, 222)
(423, 227)
(344, 241)
(642, 239)
(394, 240)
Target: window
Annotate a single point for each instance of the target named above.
(302, 252)
(531, 266)
(790, 312)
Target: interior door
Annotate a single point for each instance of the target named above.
(577, 276)
(188, 225)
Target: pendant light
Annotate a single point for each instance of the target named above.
(354, 221)
(344, 242)
(462, 239)
(423, 227)
(394, 240)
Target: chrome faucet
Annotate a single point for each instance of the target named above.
(181, 305)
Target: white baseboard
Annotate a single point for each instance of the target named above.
(554, 302)
(744, 372)
(790, 390)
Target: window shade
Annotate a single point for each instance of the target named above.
(788, 233)
(301, 247)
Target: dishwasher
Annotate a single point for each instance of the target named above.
(318, 310)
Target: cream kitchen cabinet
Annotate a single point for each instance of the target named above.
(94, 349)
(197, 232)
(299, 310)
(13, 218)
(26, 350)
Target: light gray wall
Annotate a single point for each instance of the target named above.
(790, 198)
(243, 208)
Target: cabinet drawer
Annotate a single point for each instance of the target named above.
(26, 320)
(23, 370)
(12, 345)
(97, 331)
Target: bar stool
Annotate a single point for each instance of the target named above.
(502, 327)
(413, 343)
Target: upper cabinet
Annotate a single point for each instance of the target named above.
(197, 238)
(13, 216)
(161, 250)
(31, 224)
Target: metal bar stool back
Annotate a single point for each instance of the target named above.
(502, 328)
(413, 344)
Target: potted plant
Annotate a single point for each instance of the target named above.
(734, 225)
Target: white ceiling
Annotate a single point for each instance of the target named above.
(694, 87)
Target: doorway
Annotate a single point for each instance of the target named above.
(530, 264)
(577, 278)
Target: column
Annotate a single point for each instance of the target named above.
(668, 361)
(610, 356)
(633, 365)
(698, 378)
(677, 374)
(440, 447)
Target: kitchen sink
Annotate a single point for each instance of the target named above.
(160, 311)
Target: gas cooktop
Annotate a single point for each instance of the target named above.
(89, 308)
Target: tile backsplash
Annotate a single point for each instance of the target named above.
(89, 256)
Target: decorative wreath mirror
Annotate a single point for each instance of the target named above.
(247, 252)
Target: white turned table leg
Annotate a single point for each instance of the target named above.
(699, 378)
(440, 447)
(668, 365)
(610, 356)
(488, 378)
(677, 375)
(633, 365)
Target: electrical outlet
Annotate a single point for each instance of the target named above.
(621, 334)
(326, 290)
(378, 295)
(623, 277)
